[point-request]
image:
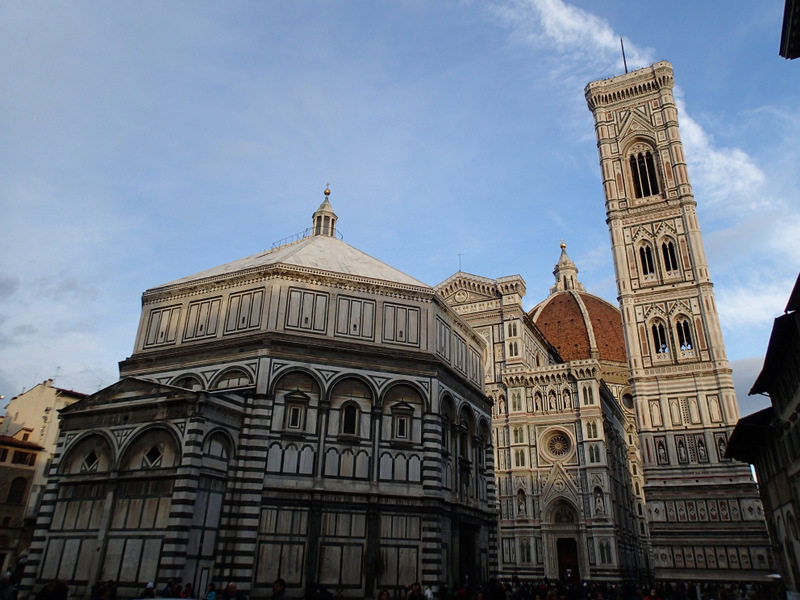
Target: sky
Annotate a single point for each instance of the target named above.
(144, 141)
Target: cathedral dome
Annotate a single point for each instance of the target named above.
(577, 323)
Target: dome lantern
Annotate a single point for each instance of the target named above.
(323, 222)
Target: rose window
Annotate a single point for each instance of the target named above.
(558, 445)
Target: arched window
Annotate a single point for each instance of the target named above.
(660, 338)
(605, 552)
(349, 419)
(588, 396)
(16, 491)
(189, 382)
(518, 435)
(519, 458)
(643, 172)
(525, 551)
(516, 403)
(646, 258)
(684, 334)
(670, 258)
(232, 379)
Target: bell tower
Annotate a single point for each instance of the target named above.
(705, 518)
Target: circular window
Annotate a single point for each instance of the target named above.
(627, 400)
(558, 444)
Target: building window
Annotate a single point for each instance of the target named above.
(90, 462)
(152, 458)
(294, 416)
(233, 379)
(519, 458)
(605, 552)
(3, 454)
(660, 338)
(670, 258)
(516, 402)
(518, 437)
(525, 551)
(23, 458)
(684, 334)
(591, 429)
(558, 444)
(401, 427)
(16, 491)
(646, 258)
(643, 170)
(588, 396)
(189, 383)
(349, 419)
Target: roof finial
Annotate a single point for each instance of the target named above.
(563, 245)
(327, 191)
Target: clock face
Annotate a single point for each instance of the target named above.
(461, 296)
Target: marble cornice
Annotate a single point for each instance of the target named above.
(305, 275)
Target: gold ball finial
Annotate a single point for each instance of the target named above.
(563, 245)
(327, 191)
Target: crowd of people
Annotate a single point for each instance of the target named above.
(515, 589)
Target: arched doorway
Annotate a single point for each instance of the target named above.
(564, 543)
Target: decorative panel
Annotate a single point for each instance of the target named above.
(400, 324)
(162, 328)
(202, 318)
(244, 311)
(307, 310)
(355, 318)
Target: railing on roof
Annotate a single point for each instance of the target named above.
(299, 236)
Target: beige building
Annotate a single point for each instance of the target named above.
(569, 481)
(307, 413)
(37, 411)
(20, 460)
(705, 517)
(32, 417)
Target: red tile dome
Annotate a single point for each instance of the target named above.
(581, 326)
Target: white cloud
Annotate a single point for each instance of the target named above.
(575, 33)
(755, 302)
(725, 175)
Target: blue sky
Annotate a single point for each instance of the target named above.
(144, 141)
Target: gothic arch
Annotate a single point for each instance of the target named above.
(685, 338)
(560, 510)
(279, 376)
(659, 333)
(413, 386)
(219, 443)
(152, 447)
(233, 377)
(669, 254)
(189, 381)
(331, 385)
(97, 442)
(647, 258)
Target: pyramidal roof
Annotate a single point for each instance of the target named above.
(321, 251)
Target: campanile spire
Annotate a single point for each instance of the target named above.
(680, 377)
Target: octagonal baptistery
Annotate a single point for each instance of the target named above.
(308, 413)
